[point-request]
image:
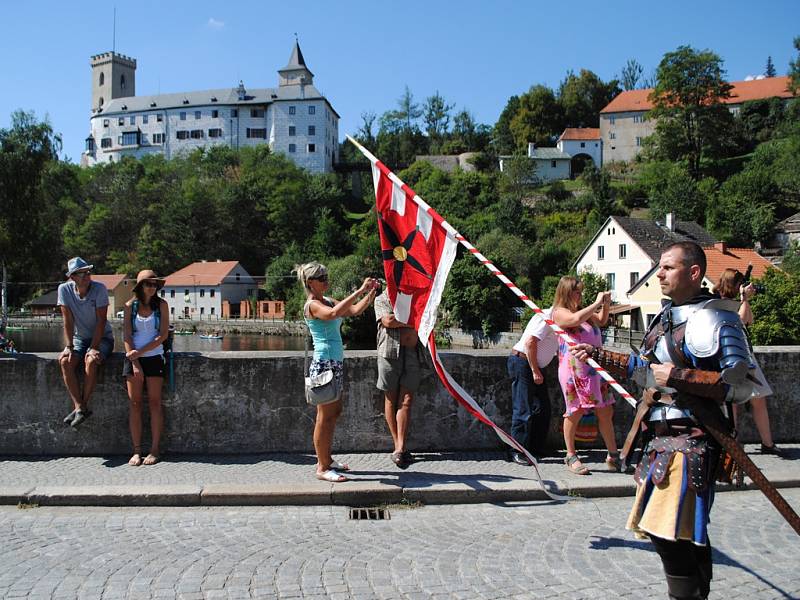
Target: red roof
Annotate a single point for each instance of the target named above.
(204, 273)
(733, 258)
(110, 281)
(756, 89)
(580, 133)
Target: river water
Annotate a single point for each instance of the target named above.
(50, 339)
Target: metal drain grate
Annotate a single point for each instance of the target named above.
(369, 514)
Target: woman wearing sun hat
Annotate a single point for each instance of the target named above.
(145, 328)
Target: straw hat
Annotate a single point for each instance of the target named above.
(148, 275)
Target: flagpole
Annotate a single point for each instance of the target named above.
(499, 274)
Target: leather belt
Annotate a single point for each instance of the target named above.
(519, 354)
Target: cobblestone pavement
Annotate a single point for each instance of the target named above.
(530, 550)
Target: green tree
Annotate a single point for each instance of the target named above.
(794, 68)
(688, 103)
(503, 137)
(769, 70)
(436, 115)
(670, 189)
(631, 74)
(776, 310)
(539, 118)
(583, 96)
(743, 212)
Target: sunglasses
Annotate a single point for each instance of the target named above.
(322, 278)
(82, 274)
(151, 284)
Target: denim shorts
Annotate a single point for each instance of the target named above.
(81, 346)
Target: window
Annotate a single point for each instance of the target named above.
(202, 293)
(292, 148)
(552, 164)
(100, 102)
(130, 138)
(234, 113)
(638, 118)
(212, 310)
(612, 135)
(292, 130)
(292, 110)
(214, 114)
(278, 307)
(163, 293)
(182, 135)
(312, 148)
(159, 118)
(312, 110)
(183, 115)
(172, 310)
(102, 78)
(121, 121)
(583, 144)
(601, 253)
(215, 133)
(145, 119)
(312, 130)
(197, 114)
(634, 278)
(237, 277)
(257, 133)
(202, 310)
(612, 120)
(158, 138)
(638, 141)
(119, 140)
(211, 293)
(197, 134)
(610, 280)
(172, 293)
(257, 113)
(90, 144)
(623, 251)
(105, 122)
(122, 81)
(132, 120)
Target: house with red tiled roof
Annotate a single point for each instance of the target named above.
(645, 296)
(583, 144)
(208, 290)
(624, 124)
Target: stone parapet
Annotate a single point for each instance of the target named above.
(245, 402)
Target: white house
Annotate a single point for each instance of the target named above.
(624, 249)
(583, 144)
(293, 118)
(550, 163)
(208, 289)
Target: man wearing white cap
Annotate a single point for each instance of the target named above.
(87, 334)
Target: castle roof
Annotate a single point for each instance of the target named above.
(743, 91)
(580, 133)
(221, 97)
(296, 60)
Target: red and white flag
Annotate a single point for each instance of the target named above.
(418, 248)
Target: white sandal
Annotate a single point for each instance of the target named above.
(332, 476)
(337, 466)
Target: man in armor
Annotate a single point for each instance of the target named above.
(694, 360)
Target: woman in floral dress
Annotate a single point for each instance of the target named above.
(583, 388)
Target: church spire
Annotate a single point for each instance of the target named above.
(295, 72)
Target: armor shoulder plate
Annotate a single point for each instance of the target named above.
(704, 328)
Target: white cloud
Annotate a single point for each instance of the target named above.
(214, 24)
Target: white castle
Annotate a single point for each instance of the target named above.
(294, 118)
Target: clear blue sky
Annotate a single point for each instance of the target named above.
(476, 53)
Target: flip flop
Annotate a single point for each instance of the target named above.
(150, 459)
(68, 419)
(331, 476)
(337, 466)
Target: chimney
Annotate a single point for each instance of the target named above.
(531, 149)
(671, 221)
(721, 246)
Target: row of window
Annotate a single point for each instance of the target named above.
(312, 130)
(636, 119)
(601, 252)
(613, 136)
(611, 279)
(256, 113)
(136, 138)
(211, 293)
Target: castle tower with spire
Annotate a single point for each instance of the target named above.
(295, 72)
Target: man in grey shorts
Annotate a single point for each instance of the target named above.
(401, 366)
(88, 336)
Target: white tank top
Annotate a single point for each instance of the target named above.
(144, 333)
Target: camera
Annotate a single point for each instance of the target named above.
(760, 288)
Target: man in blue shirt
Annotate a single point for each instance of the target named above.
(88, 337)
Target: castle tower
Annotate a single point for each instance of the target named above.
(295, 72)
(113, 76)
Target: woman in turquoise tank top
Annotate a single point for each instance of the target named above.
(323, 316)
